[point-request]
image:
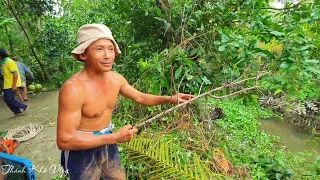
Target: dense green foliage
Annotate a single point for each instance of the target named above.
(187, 46)
(251, 151)
(195, 41)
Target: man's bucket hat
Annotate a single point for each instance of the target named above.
(88, 34)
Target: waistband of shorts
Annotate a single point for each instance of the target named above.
(106, 130)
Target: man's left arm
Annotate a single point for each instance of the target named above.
(148, 99)
(28, 72)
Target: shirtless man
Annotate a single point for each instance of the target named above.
(86, 100)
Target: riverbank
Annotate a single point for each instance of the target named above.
(238, 135)
(262, 153)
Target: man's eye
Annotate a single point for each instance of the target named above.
(99, 49)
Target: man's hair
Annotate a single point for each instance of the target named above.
(3, 53)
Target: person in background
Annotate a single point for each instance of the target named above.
(24, 72)
(11, 82)
(1, 82)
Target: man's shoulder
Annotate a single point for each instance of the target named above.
(19, 64)
(10, 61)
(71, 85)
(116, 76)
(10, 64)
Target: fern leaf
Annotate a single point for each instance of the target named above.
(199, 167)
(171, 148)
(167, 153)
(157, 155)
(164, 174)
(156, 171)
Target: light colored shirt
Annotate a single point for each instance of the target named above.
(24, 72)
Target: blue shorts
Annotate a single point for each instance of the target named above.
(101, 162)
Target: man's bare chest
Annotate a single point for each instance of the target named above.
(99, 101)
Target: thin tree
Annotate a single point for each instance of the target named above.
(11, 9)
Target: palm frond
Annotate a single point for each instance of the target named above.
(164, 159)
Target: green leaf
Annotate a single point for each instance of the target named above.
(120, 149)
(159, 13)
(156, 157)
(277, 33)
(189, 77)
(253, 44)
(278, 176)
(315, 13)
(315, 61)
(198, 79)
(158, 67)
(193, 52)
(217, 57)
(222, 48)
(285, 65)
(278, 91)
(177, 74)
(314, 70)
(206, 80)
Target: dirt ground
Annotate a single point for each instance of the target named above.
(42, 149)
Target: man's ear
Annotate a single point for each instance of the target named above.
(82, 56)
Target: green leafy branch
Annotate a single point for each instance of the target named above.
(164, 159)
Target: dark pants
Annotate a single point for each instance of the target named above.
(13, 104)
(94, 164)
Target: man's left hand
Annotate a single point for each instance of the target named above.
(180, 98)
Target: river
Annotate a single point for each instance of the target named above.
(294, 138)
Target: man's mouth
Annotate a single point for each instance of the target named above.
(107, 64)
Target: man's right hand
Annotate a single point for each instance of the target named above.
(125, 133)
(14, 88)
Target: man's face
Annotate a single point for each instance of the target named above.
(100, 55)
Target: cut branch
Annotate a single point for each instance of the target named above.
(233, 94)
(232, 84)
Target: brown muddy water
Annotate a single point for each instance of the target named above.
(294, 138)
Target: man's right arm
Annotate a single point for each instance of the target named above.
(69, 117)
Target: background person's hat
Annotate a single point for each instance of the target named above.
(88, 34)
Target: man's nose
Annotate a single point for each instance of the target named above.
(107, 54)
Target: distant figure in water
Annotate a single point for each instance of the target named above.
(25, 73)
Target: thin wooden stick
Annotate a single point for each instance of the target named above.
(149, 121)
(233, 94)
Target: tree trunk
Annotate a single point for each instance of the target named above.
(61, 66)
(10, 7)
(165, 7)
(10, 41)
